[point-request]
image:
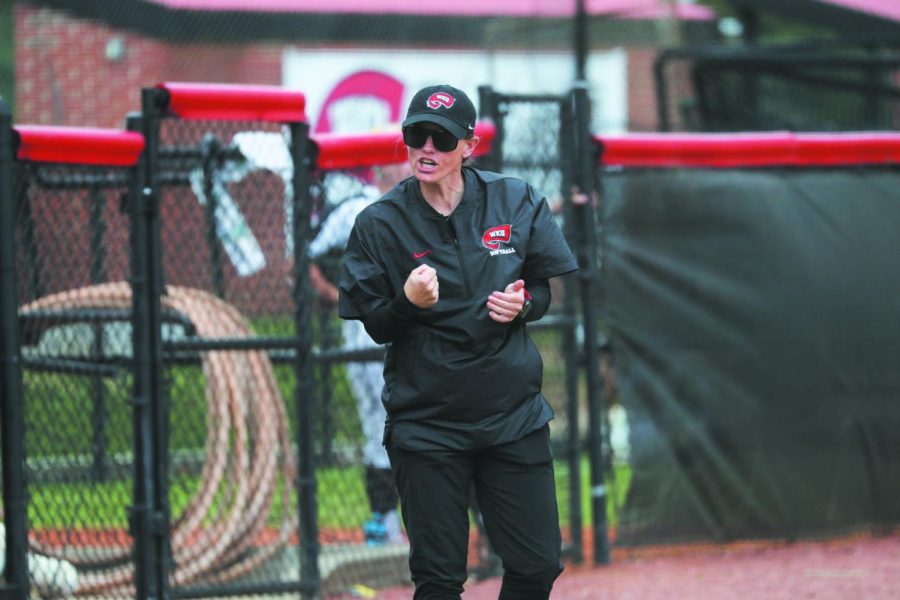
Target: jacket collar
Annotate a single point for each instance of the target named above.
(470, 196)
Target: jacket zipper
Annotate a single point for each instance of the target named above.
(459, 256)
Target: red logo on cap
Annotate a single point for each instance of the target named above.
(493, 237)
(439, 99)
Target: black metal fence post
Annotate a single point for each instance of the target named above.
(498, 108)
(580, 35)
(584, 161)
(570, 300)
(304, 395)
(12, 418)
(139, 518)
(150, 521)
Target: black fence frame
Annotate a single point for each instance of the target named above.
(12, 420)
(578, 163)
(154, 103)
(873, 59)
(149, 515)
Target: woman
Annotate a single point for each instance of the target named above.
(446, 269)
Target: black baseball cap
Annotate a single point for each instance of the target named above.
(443, 105)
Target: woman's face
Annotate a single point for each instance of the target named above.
(431, 165)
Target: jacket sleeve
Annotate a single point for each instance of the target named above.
(548, 253)
(388, 323)
(363, 285)
(540, 298)
(365, 292)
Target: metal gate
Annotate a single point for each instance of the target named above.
(545, 140)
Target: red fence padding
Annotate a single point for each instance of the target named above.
(224, 102)
(749, 149)
(345, 151)
(78, 145)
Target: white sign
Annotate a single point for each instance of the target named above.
(363, 90)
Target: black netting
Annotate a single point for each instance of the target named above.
(752, 321)
(225, 209)
(236, 325)
(530, 145)
(835, 86)
(72, 241)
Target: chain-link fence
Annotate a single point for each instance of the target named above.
(235, 383)
(536, 141)
(525, 48)
(255, 474)
(727, 401)
(197, 418)
(834, 86)
(71, 231)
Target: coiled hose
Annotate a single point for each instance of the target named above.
(247, 451)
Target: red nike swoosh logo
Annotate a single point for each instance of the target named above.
(421, 254)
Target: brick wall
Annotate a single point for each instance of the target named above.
(63, 76)
(642, 114)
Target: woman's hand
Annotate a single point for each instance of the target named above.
(421, 286)
(505, 306)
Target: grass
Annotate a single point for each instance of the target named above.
(341, 499)
(69, 403)
(104, 505)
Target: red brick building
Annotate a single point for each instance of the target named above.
(84, 63)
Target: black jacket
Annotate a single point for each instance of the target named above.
(454, 378)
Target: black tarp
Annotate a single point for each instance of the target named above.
(754, 316)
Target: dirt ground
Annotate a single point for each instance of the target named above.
(861, 567)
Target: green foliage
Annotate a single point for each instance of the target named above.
(60, 409)
(617, 482)
(90, 505)
(340, 492)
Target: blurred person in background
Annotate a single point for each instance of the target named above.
(446, 270)
(365, 377)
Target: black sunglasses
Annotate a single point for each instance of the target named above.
(443, 140)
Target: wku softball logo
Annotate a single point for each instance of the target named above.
(493, 237)
(439, 99)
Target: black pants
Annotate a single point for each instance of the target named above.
(515, 488)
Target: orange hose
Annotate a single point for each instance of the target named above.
(248, 451)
